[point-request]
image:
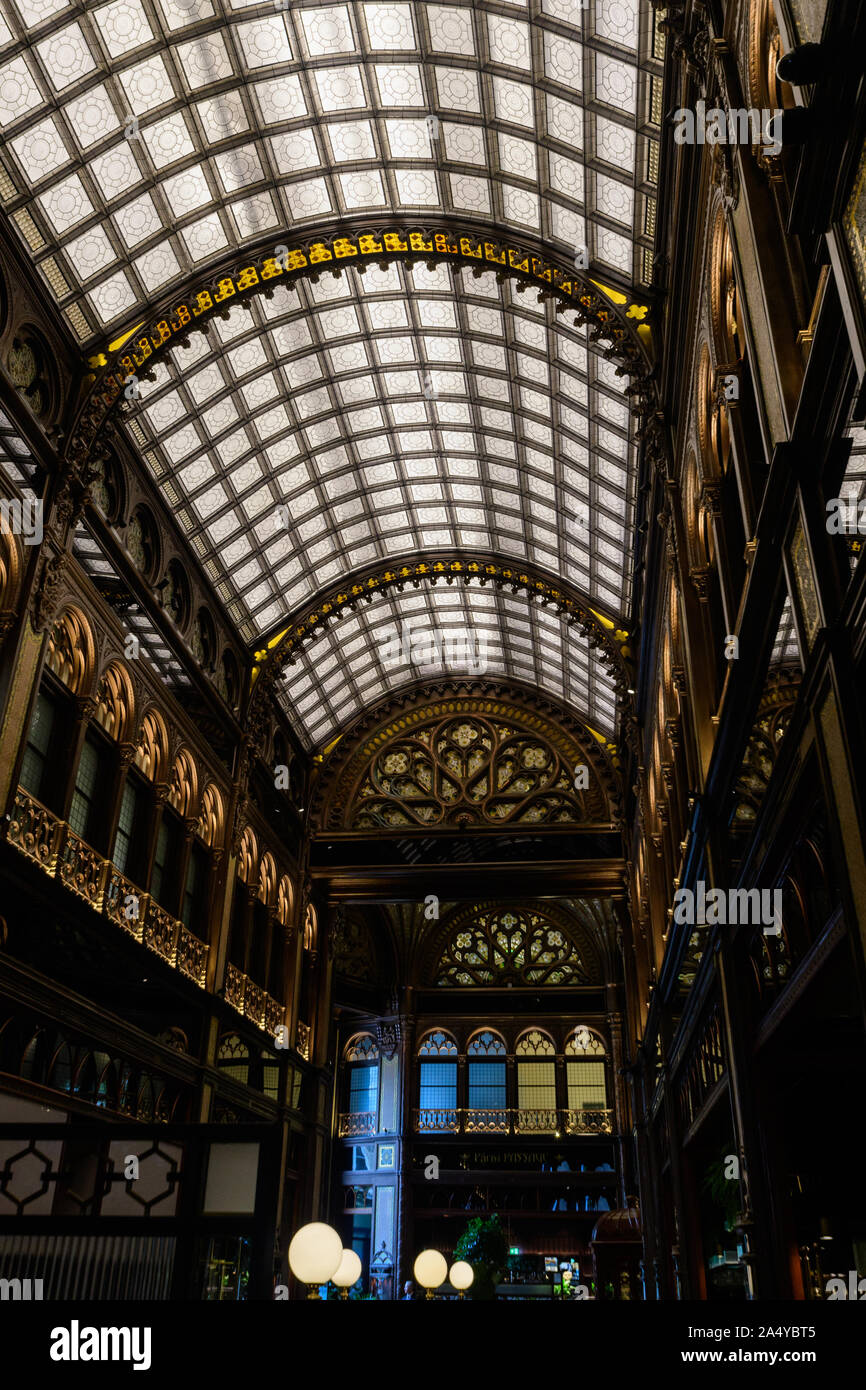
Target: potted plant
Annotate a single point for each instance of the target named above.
(484, 1247)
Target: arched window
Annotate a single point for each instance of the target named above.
(115, 702)
(437, 1083)
(362, 1063)
(264, 944)
(233, 1057)
(130, 836)
(586, 1082)
(41, 740)
(517, 948)
(71, 652)
(87, 808)
(310, 925)
(487, 1082)
(536, 1083)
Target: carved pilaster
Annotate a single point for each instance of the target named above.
(49, 588)
(701, 577)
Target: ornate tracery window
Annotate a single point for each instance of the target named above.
(471, 771)
(520, 948)
(362, 1059)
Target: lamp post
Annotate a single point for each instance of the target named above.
(314, 1255)
(431, 1270)
(347, 1273)
(461, 1275)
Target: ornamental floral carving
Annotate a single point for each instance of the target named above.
(470, 770)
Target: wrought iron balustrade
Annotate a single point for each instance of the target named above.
(520, 1121)
(536, 1121)
(589, 1121)
(37, 833)
(81, 869)
(351, 1126)
(303, 1040)
(486, 1122)
(437, 1121)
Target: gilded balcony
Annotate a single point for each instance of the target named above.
(589, 1121)
(486, 1122)
(37, 833)
(351, 1126)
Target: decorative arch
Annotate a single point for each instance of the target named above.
(233, 1057)
(500, 946)
(329, 606)
(285, 900)
(764, 51)
(695, 543)
(361, 1048)
(436, 1042)
(183, 791)
(311, 928)
(585, 1042)
(486, 1042)
(71, 651)
(248, 857)
(10, 576)
(115, 702)
(724, 298)
(535, 1042)
(614, 319)
(151, 754)
(468, 760)
(267, 879)
(212, 816)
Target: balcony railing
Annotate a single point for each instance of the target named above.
(588, 1121)
(351, 1126)
(485, 1121)
(303, 1040)
(63, 855)
(555, 1122)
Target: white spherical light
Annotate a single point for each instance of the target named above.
(461, 1275)
(431, 1269)
(348, 1272)
(315, 1252)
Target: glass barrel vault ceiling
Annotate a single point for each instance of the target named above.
(540, 117)
(373, 416)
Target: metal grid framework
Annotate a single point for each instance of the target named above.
(365, 657)
(376, 416)
(16, 461)
(786, 648)
(148, 137)
(360, 418)
(153, 648)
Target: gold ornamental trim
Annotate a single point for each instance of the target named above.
(134, 351)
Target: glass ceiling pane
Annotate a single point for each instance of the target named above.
(372, 416)
(381, 415)
(144, 139)
(450, 630)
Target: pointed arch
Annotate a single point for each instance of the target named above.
(183, 789)
(151, 754)
(71, 651)
(115, 702)
(248, 857)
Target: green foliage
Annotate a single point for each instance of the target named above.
(723, 1192)
(484, 1247)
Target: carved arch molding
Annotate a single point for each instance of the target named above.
(469, 760)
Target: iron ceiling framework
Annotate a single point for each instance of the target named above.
(348, 420)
